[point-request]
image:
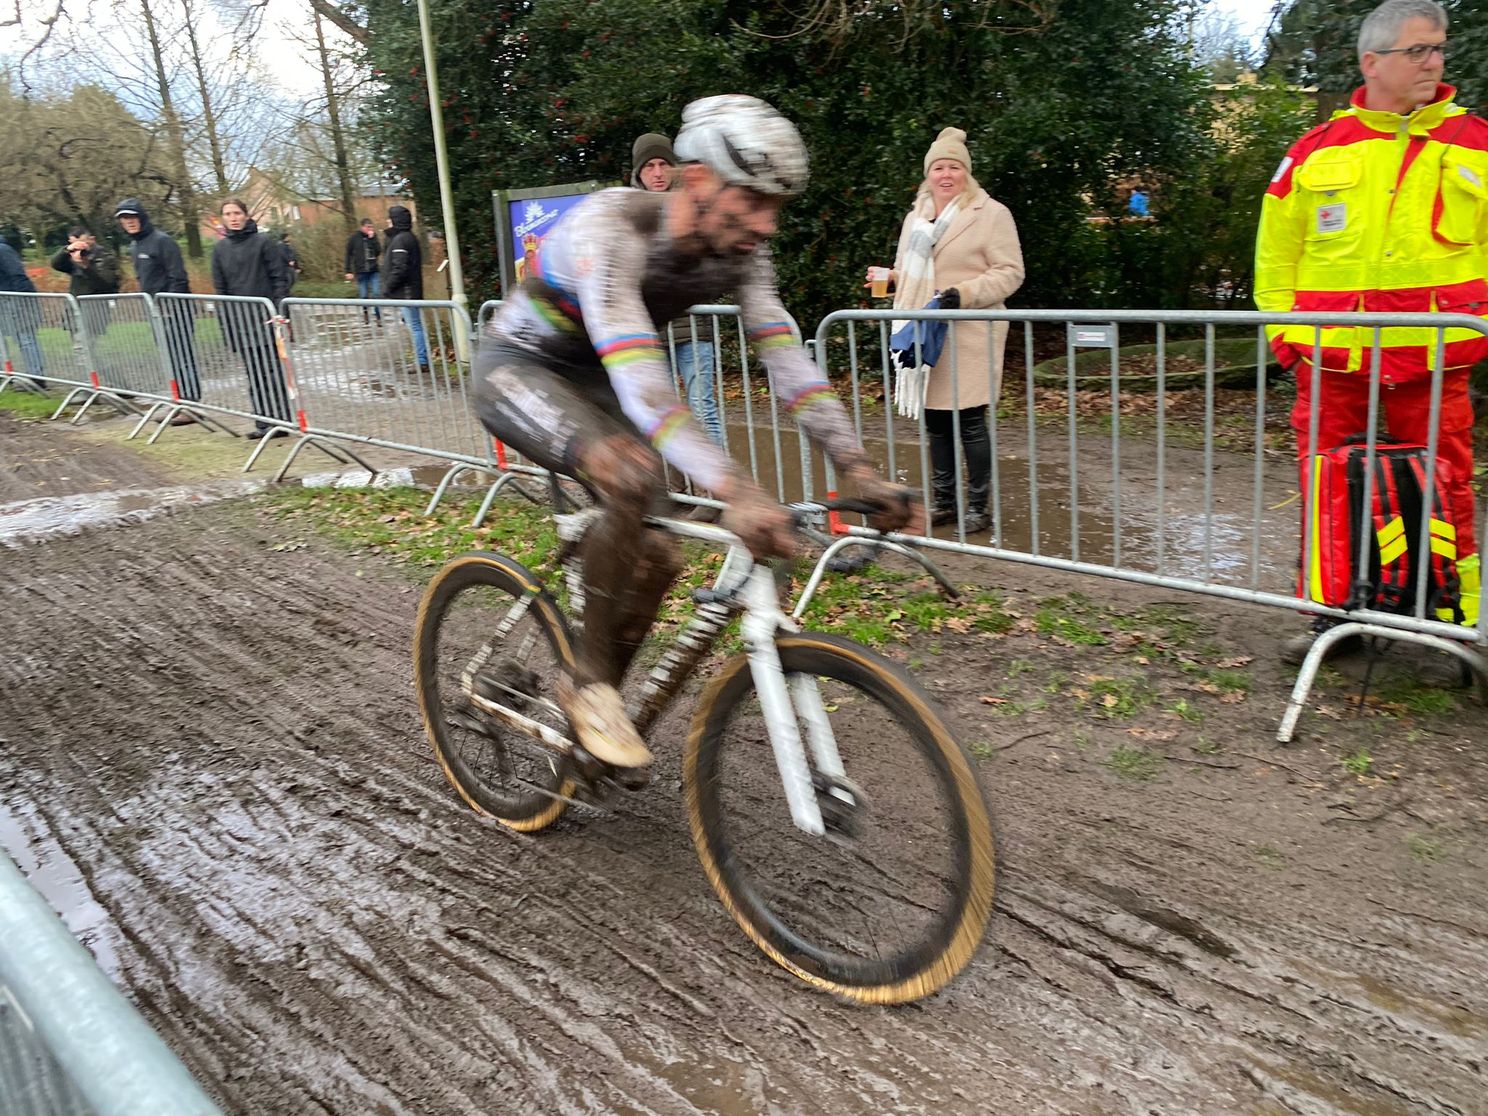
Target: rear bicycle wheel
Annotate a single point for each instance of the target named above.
(893, 901)
(488, 635)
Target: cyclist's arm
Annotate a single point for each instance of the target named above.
(610, 263)
(795, 379)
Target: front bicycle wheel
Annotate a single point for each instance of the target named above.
(892, 902)
(488, 646)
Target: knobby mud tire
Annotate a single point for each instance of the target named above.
(942, 954)
(525, 813)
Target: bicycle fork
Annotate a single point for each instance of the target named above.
(785, 707)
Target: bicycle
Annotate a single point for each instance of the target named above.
(489, 643)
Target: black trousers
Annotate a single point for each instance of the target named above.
(268, 394)
(976, 450)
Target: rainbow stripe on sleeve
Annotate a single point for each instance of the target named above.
(809, 396)
(627, 349)
(773, 335)
(671, 422)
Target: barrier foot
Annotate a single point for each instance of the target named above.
(501, 482)
(215, 425)
(1318, 652)
(448, 479)
(819, 571)
(67, 402)
(20, 381)
(83, 410)
(339, 454)
(144, 420)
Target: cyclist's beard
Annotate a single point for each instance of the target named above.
(717, 243)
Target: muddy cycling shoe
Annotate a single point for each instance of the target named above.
(601, 724)
(1294, 650)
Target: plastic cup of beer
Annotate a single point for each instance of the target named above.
(878, 278)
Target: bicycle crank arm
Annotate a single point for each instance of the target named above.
(525, 725)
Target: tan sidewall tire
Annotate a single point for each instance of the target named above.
(971, 925)
(511, 577)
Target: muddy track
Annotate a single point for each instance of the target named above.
(37, 462)
(222, 737)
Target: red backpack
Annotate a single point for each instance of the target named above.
(1337, 515)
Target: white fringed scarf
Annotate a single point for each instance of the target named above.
(914, 287)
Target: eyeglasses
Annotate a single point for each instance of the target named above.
(1418, 53)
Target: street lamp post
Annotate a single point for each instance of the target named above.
(441, 162)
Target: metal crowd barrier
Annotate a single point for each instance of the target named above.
(1051, 507)
(72, 1035)
(218, 360)
(41, 341)
(1145, 509)
(386, 373)
(125, 352)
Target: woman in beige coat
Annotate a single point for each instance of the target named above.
(959, 242)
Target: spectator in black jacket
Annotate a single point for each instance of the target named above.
(403, 276)
(93, 271)
(160, 270)
(292, 266)
(362, 250)
(247, 263)
(20, 317)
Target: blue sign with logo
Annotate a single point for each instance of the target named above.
(524, 217)
(531, 220)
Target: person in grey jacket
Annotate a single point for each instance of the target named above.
(403, 276)
(160, 270)
(92, 271)
(250, 264)
(20, 317)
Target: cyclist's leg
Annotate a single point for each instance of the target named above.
(570, 422)
(627, 571)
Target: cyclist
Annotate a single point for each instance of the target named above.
(573, 373)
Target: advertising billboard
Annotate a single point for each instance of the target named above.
(524, 217)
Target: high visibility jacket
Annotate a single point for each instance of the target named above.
(1378, 212)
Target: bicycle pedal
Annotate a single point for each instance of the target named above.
(631, 778)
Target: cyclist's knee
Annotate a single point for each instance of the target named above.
(663, 555)
(626, 473)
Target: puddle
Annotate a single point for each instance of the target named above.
(57, 879)
(48, 517)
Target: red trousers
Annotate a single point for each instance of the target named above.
(1405, 410)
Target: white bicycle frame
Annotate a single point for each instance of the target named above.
(785, 707)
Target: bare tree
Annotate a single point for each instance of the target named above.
(174, 135)
(205, 92)
(338, 137)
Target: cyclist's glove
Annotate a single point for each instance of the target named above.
(897, 502)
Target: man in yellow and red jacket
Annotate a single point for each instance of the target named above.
(1385, 209)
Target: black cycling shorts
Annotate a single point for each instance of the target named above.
(548, 413)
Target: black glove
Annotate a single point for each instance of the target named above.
(950, 299)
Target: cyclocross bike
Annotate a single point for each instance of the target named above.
(834, 812)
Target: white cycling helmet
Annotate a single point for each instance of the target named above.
(745, 142)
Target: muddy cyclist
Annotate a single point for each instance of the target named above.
(572, 373)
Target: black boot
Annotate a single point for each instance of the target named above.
(942, 467)
(976, 448)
